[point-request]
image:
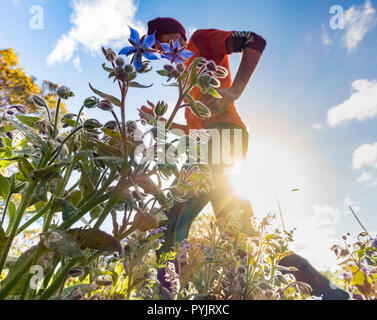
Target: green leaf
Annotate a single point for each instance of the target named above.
(98, 241)
(85, 288)
(175, 85)
(108, 97)
(163, 73)
(135, 84)
(194, 71)
(4, 187)
(107, 150)
(68, 209)
(86, 185)
(214, 93)
(112, 134)
(30, 135)
(106, 68)
(3, 240)
(62, 243)
(11, 212)
(29, 121)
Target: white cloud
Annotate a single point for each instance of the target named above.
(365, 177)
(358, 21)
(94, 24)
(316, 233)
(77, 64)
(325, 36)
(361, 105)
(318, 126)
(365, 156)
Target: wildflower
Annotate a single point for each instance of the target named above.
(91, 125)
(129, 68)
(68, 116)
(44, 127)
(9, 114)
(212, 69)
(20, 108)
(111, 125)
(105, 105)
(10, 135)
(64, 92)
(91, 102)
(241, 269)
(140, 48)
(120, 62)
(174, 52)
(160, 108)
(374, 243)
(40, 102)
(109, 54)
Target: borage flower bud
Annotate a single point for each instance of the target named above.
(215, 83)
(211, 66)
(10, 135)
(68, 116)
(169, 68)
(129, 68)
(64, 92)
(40, 102)
(109, 54)
(44, 127)
(180, 67)
(92, 125)
(120, 62)
(120, 74)
(91, 102)
(20, 108)
(160, 108)
(111, 125)
(105, 105)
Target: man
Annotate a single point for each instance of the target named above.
(216, 45)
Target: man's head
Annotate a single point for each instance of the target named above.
(167, 29)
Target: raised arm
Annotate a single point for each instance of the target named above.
(252, 46)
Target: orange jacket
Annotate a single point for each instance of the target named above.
(211, 45)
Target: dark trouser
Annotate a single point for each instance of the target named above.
(224, 201)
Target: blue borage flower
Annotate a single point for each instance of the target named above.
(140, 48)
(174, 52)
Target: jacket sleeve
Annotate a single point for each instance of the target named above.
(211, 42)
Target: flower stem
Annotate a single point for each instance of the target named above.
(58, 149)
(19, 214)
(58, 280)
(57, 117)
(6, 207)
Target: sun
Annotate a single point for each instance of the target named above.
(271, 174)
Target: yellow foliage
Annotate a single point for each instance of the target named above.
(16, 87)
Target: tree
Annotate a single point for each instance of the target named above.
(16, 87)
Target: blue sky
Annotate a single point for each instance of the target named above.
(309, 128)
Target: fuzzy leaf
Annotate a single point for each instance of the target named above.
(108, 97)
(99, 241)
(62, 243)
(4, 187)
(29, 121)
(135, 84)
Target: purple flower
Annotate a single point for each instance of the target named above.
(174, 52)
(140, 48)
(374, 243)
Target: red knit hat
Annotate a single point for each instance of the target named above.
(166, 25)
